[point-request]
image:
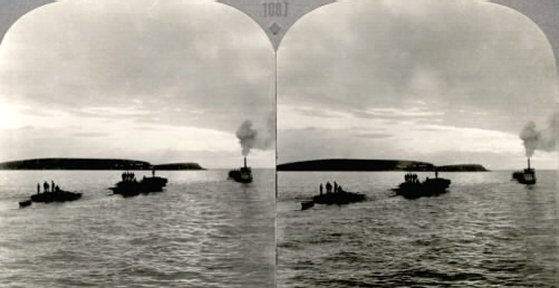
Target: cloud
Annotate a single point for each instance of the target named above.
(141, 75)
(373, 135)
(436, 76)
(444, 53)
(90, 134)
(156, 58)
(398, 113)
(408, 134)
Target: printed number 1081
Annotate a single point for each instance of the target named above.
(275, 9)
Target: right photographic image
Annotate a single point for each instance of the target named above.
(416, 146)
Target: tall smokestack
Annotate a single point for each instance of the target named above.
(528, 163)
(246, 162)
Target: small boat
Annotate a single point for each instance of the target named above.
(340, 197)
(23, 204)
(306, 205)
(129, 186)
(55, 196)
(526, 176)
(241, 175)
(412, 188)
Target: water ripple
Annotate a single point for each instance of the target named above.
(203, 231)
(483, 233)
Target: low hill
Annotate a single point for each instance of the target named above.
(374, 165)
(179, 166)
(90, 164)
(356, 165)
(462, 168)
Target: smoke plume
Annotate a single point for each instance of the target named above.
(250, 138)
(535, 139)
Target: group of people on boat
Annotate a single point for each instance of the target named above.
(411, 178)
(48, 188)
(128, 177)
(336, 188)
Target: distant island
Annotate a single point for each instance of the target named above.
(462, 168)
(92, 164)
(179, 166)
(374, 165)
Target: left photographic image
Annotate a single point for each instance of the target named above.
(137, 146)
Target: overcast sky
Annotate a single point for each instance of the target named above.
(162, 81)
(437, 81)
(171, 81)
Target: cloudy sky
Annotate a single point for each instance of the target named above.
(161, 81)
(170, 81)
(437, 81)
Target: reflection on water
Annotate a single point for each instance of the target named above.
(486, 232)
(203, 231)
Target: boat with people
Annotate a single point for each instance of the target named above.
(413, 188)
(241, 175)
(56, 196)
(334, 194)
(129, 186)
(340, 198)
(526, 176)
(51, 193)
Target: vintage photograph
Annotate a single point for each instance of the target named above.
(277, 143)
(416, 147)
(137, 147)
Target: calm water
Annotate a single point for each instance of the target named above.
(486, 232)
(203, 231)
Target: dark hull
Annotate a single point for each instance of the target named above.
(306, 205)
(133, 188)
(430, 187)
(25, 203)
(338, 198)
(240, 176)
(57, 196)
(525, 177)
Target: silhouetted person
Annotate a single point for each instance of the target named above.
(153, 172)
(335, 186)
(436, 173)
(328, 187)
(52, 185)
(320, 187)
(38, 188)
(56, 188)
(46, 186)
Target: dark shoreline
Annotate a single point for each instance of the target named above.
(372, 165)
(93, 164)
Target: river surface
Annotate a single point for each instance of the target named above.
(203, 231)
(487, 231)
